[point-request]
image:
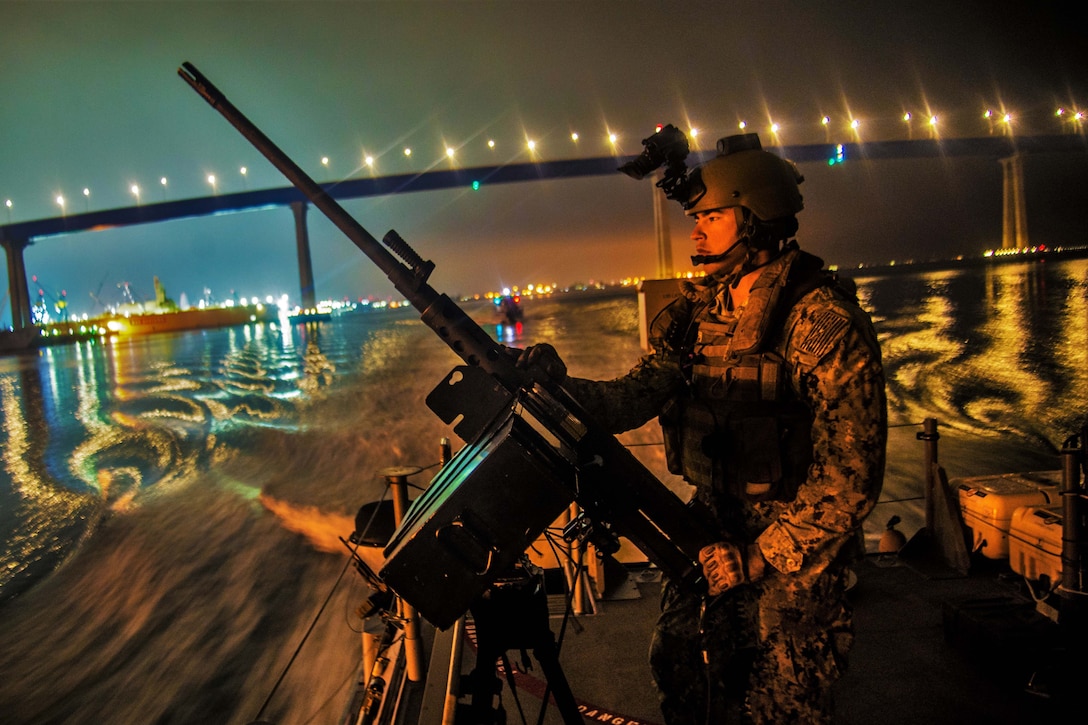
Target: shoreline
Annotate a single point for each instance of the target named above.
(17, 341)
(1025, 256)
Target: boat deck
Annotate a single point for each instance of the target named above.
(935, 647)
(931, 647)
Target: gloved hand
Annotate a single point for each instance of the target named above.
(726, 566)
(544, 358)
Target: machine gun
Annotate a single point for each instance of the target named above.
(531, 448)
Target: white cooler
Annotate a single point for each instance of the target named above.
(1035, 543)
(989, 502)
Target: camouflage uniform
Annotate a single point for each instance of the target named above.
(776, 414)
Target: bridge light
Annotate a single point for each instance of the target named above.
(933, 121)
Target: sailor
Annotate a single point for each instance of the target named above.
(766, 378)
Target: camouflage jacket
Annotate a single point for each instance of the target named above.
(832, 361)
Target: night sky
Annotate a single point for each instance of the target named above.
(91, 99)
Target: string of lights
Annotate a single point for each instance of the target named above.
(907, 125)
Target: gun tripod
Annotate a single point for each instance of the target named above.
(513, 615)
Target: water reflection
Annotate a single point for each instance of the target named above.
(996, 350)
(509, 334)
(95, 428)
(41, 516)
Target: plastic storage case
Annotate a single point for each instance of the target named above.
(988, 503)
(1035, 543)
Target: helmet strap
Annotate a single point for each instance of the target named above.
(700, 259)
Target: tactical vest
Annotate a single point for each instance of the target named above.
(741, 430)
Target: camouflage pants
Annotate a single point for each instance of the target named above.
(771, 655)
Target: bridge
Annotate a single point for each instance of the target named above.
(1010, 151)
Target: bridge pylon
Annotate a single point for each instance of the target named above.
(1014, 228)
(661, 230)
(18, 289)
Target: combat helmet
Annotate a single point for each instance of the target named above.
(744, 175)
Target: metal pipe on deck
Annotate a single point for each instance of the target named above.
(929, 436)
(1073, 534)
(397, 479)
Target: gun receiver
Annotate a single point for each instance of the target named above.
(527, 436)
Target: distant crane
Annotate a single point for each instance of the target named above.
(96, 295)
(126, 292)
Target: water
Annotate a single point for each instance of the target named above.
(170, 506)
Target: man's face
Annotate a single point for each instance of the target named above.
(716, 232)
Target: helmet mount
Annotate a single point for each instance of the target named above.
(763, 185)
(745, 175)
(742, 174)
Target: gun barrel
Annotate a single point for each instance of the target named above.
(299, 178)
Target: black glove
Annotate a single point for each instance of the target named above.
(542, 358)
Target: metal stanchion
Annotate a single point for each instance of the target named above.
(397, 479)
(576, 577)
(930, 436)
(1073, 566)
(453, 676)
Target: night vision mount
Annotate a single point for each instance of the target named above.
(668, 147)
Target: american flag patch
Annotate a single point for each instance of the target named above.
(825, 329)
